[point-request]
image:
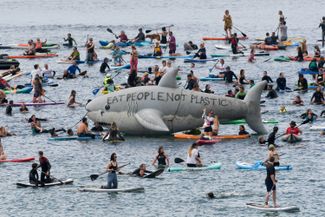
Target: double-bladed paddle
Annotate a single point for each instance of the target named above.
(111, 31)
(240, 31)
(150, 30)
(93, 177)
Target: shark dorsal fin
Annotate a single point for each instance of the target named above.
(169, 79)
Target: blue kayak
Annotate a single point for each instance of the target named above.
(126, 66)
(211, 79)
(259, 166)
(306, 71)
(200, 60)
(68, 138)
(126, 44)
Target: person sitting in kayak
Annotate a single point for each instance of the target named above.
(273, 153)
(268, 39)
(313, 65)
(208, 122)
(271, 92)
(47, 72)
(70, 41)
(298, 101)
(75, 55)
(70, 72)
(161, 158)
(157, 51)
(274, 39)
(317, 97)
(45, 166)
(104, 66)
(83, 130)
(33, 175)
(3, 155)
(4, 84)
(193, 157)
(293, 129)
(113, 134)
(108, 83)
(242, 130)
(140, 37)
(31, 49)
(241, 93)
(39, 46)
(270, 182)
(123, 37)
(141, 171)
(72, 103)
(229, 75)
(112, 168)
(227, 23)
(309, 116)
(201, 53)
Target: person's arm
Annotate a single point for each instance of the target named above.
(273, 179)
(78, 69)
(167, 159)
(234, 75)
(108, 167)
(155, 160)
(312, 98)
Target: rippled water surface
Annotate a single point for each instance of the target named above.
(172, 194)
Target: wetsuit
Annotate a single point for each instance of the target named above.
(322, 25)
(308, 118)
(313, 66)
(318, 97)
(137, 172)
(267, 78)
(243, 132)
(271, 139)
(274, 40)
(33, 177)
(229, 75)
(303, 84)
(201, 53)
(268, 41)
(70, 42)
(272, 94)
(321, 64)
(45, 166)
(103, 67)
(140, 37)
(281, 84)
(190, 84)
(270, 170)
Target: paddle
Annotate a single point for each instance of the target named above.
(210, 70)
(52, 177)
(240, 31)
(110, 31)
(178, 160)
(93, 177)
(150, 30)
(96, 89)
(49, 98)
(266, 60)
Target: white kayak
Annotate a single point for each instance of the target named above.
(56, 182)
(226, 47)
(317, 128)
(139, 189)
(272, 209)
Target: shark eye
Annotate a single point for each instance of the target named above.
(107, 107)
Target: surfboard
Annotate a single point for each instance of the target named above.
(272, 209)
(106, 190)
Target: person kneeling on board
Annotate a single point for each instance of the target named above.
(141, 171)
(270, 182)
(112, 168)
(33, 175)
(193, 156)
(113, 134)
(83, 130)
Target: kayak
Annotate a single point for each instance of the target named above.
(211, 79)
(24, 46)
(306, 71)
(190, 136)
(207, 141)
(57, 182)
(282, 59)
(126, 44)
(7, 63)
(110, 45)
(317, 128)
(272, 209)
(126, 66)
(18, 104)
(263, 46)
(258, 165)
(68, 138)
(199, 60)
(18, 160)
(106, 190)
(214, 166)
(16, 91)
(227, 47)
(243, 121)
(222, 38)
(291, 138)
(70, 61)
(37, 55)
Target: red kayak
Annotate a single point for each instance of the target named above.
(207, 141)
(38, 55)
(222, 38)
(18, 104)
(18, 160)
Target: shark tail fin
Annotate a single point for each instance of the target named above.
(253, 116)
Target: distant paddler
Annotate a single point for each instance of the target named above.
(193, 156)
(322, 25)
(227, 23)
(70, 41)
(161, 158)
(3, 155)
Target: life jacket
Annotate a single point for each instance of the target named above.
(157, 50)
(108, 80)
(38, 45)
(294, 130)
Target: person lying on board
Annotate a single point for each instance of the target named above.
(141, 171)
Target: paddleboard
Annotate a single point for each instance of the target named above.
(243, 121)
(18, 160)
(207, 141)
(206, 38)
(18, 104)
(63, 182)
(68, 138)
(214, 166)
(211, 79)
(259, 166)
(37, 55)
(317, 128)
(105, 190)
(272, 209)
(199, 60)
(24, 90)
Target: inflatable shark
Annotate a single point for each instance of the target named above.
(167, 108)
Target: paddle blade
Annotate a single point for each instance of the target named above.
(109, 30)
(178, 160)
(95, 91)
(148, 30)
(93, 177)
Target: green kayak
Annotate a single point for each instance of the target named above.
(243, 121)
(23, 90)
(214, 166)
(282, 59)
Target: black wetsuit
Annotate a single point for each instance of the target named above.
(270, 170)
(267, 78)
(103, 67)
(243, 132)
(33, 177)
(201, 53)
(281, 84)
(318, 96)
(137, 172)
(140, 37)
(271, 139)
(70, 42)
(190, 84)
(229, 76)
(272, 94)
(303, 84)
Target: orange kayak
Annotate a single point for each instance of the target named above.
(306, 58)
(195, 137)
(221, 38)
(39, 55)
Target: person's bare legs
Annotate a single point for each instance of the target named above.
(267, 197)
(274, 198)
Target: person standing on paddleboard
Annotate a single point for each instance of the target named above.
(91, 54)
(172, 44)
(193, 156)
(270, 182)
(112, 169)
(45, 166)
(162, 158)
(322, 25)
(227, 23)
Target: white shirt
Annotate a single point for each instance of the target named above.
(47, 73)
(36, 72)
(163, 69)
(192, 159)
